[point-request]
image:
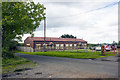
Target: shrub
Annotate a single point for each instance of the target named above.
(7, 54)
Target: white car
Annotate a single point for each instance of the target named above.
(107, 48)
(98, 48)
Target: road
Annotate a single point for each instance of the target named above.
(54, 67)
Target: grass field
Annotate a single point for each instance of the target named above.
(69, 54)
(18, 63)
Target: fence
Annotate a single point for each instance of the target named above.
(57, 48)
(48, 48)
(115, 50)
(118, 49)
(25, 49)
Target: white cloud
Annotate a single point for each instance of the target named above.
(97, 26)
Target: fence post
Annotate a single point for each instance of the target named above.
(102, 50)
(63, 47)
(117, 51)
(23, 49)
(114, 50)
(77, 48)
(86, 49)
(69, 47)
(95, 50)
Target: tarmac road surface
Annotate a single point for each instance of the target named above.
(55, 67)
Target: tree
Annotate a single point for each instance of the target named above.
(68, 36)
(115, 43)
(19, 18)
(119, 43)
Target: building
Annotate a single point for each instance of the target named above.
(37, 43)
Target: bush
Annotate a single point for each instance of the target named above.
(13, 45)
(7, 54)
(20, 44)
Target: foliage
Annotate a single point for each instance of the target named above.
(92, 45)
(13, 45)
(12, 64)
(68, 36)
(7, 54)
(15, 60)
(20, 44)
(19, 18)
(10, 52)
(119, 43)
(115, 43)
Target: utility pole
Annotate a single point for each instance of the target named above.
(44, 34)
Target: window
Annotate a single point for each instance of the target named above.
(45, 45)
(75, 45)
(84, 44)
(28, 45)
(38, 46)
(61, 46)
(57, 46)
(70, 45)
(67, 45)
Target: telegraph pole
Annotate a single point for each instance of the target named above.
(44, 34)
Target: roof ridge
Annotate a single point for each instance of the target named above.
(55, 39)
(30, 38)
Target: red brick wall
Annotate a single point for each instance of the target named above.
(28, 41)
(57, 42)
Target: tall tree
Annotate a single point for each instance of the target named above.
(19, 18)
(68, 36)
(115, 43)
(119, 43)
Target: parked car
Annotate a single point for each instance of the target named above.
(92, 48)
(114, 47)
(98, 48)
(107, 48)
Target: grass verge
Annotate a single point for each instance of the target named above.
(69, 54)
(13, 64)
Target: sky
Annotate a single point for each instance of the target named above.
(93, 21)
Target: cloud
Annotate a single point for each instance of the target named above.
(95, 22)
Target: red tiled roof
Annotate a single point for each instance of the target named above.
(55, 39)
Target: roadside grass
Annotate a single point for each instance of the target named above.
(12, 64)
(80, 54)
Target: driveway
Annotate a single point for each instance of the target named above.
(54, 67)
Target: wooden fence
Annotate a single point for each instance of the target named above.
(25, 49)
(53, 48)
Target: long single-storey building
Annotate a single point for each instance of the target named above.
(58, 43)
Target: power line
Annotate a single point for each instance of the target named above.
(109, 5)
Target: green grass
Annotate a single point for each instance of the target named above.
(69, 54)
(10, 65)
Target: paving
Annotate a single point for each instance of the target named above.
(56, 67)
(109, 58)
